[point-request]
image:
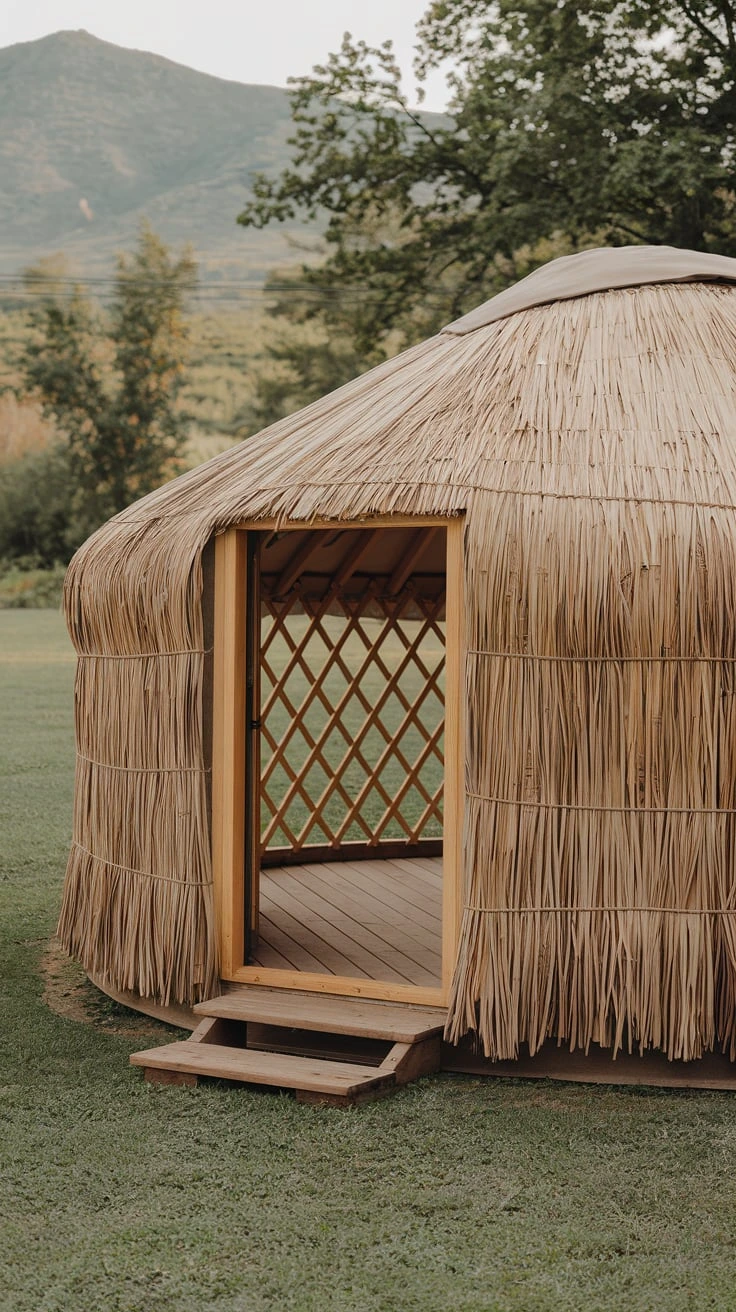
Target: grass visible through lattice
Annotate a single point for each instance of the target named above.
(352, 722)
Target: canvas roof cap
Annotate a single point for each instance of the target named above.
(599, 270)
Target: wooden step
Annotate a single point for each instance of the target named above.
(327, 1013)
(251, 1066)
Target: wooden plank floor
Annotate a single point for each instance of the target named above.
(379, 920)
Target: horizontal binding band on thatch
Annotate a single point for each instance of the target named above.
(463, 489)
(142, 874)
(144, 769)
(152, 935)
(141, 655)
(537, 805)
(622, 910)
(602, 660)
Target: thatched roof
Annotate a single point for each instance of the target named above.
(590, 442)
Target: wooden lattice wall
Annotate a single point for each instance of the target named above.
(352, 698)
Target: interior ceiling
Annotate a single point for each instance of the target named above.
(311, 560)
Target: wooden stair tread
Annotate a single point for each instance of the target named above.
(327, 1013)
(252, 1066)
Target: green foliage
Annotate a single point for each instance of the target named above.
(226, 355)
(311, 346)
(121, 424)
(24, 586)
(611, 122)
(38, 514)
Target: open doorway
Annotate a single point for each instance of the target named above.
(344, 678)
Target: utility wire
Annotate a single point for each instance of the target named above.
(66, 288)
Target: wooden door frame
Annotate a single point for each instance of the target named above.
(228, 763)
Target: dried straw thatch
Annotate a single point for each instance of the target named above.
(591, 443)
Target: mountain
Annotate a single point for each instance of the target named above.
(93, 137)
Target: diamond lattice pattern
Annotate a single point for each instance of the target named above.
(352, 718)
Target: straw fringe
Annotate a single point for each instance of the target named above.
(590, 445)
(138, 903)
(151, 936)
(625, 979)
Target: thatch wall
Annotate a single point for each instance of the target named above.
(592, 446)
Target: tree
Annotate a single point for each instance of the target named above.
(312, 347)
(612, 122)
(111, 384)
(37, 512)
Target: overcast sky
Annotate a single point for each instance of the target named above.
(263, 41)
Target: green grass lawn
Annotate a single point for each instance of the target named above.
(454, 1194)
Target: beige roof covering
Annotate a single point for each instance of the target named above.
(598, 270)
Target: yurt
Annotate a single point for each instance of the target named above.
(406, 729)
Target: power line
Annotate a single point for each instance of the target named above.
(66, 287)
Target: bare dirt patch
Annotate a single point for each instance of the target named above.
(68, 992)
